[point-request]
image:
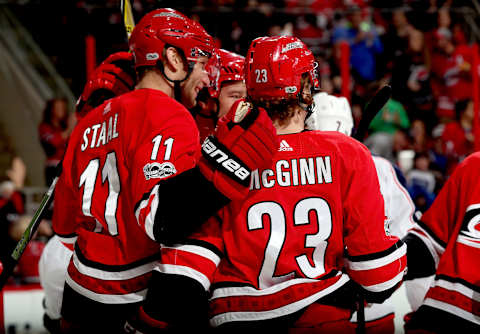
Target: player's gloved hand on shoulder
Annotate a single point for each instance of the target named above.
(114, 76)
(244, 140)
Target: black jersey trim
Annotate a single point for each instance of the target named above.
(204, 244)
(431, 234)
(450, 279)
(114, 268)
(377, 255)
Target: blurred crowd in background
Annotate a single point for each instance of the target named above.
(422, 48)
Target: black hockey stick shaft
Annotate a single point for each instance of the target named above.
(12, 260)
(371, 110)
(360, 329)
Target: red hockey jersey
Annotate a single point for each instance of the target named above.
(284, 247)
(106, 197)
(450, 231)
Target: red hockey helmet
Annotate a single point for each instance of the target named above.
(230, 69)
(168, 27)
(274, 67)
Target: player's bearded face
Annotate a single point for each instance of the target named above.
(229, 93)
(197, 80)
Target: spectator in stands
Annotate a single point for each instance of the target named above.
(438, 157)
(451, 71)
(383, 128)
(306, 29)
(421, 182)
(27, 268)
(54, 131)
(458, 137)
(418, 133)
(411, 80)
(396, 38)
(12, 204)
(364, 43)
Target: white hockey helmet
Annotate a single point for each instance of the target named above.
(331, 113)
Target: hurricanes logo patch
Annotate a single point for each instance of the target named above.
(470, 230)
(157, 170)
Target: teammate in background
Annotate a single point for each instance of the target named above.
(134, 162)
(274, 261)
(333, 113)
(227, 86)
(446, 243)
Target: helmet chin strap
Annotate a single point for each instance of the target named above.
(307, 107)
(177, 89)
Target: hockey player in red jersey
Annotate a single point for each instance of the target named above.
(446, 243)
(227, 86)
(132, 166)
(113, 77)
(310, 232)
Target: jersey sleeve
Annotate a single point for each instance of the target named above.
(375, 260)
(171, 196)
(198, 257)
(182, 279)
(399, 208)
(428, 238)
(166, 149)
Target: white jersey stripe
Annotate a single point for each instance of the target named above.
(385, 285)
(109, 275)
(377, 263)
(150, 219)
(278, 312)
(185, 271)
(197, 250)
(458, 287)
(105, 298)
(459, 312)
(250, 291)
(472, 207)
(438, 248)
(70, 240)
(468, 241)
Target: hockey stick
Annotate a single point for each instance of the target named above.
(360, 329)
(371, 110)
(127, 13)
(11, 262)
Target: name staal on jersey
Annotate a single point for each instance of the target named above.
(116, 157)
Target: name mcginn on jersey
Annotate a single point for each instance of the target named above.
(294, 172)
